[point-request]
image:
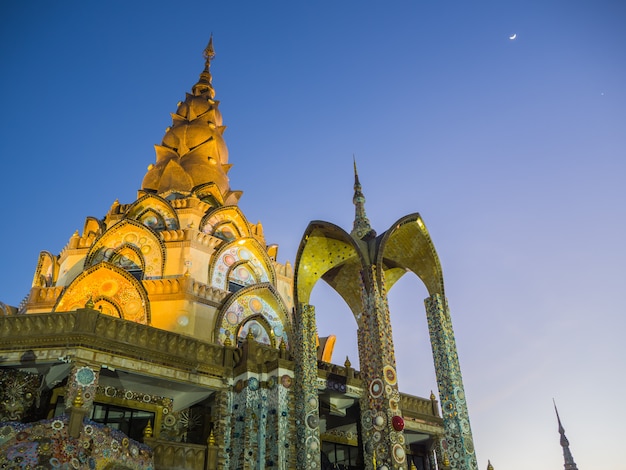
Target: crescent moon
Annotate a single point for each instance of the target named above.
(513, 37)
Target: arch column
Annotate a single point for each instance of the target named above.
(383, 446)
(458, 444)
(307, 405)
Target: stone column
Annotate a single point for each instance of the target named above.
(381, 418)
(458, 443)
(307, 406)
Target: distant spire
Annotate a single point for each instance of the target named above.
(205, 82)
(567, 455)
(361, 229)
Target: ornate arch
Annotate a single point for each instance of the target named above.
(210, 194)
(245, 252)
(154, 212)
(130, 234)
(230, 217)
(258, 301)
(107, 284)
(261, 331)
(47, 270)
(129, 258)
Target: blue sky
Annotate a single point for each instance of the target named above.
(513, 151)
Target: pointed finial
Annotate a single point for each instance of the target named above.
(209, 51)
(432, 396)
(147, 431)
(347, 364)
(489, 466)
(446, 460)
(361, 228)
(204, 85)
(78, 399)
(211, 441)
(567, 455)
(90, 304)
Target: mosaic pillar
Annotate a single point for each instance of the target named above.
(223, 427)
(458, 443)
(83, 380)
(381, 419)
(244, 444)
(307, 406)
(279, 448)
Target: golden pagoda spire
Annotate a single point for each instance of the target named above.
(361, 228)
(193, 152)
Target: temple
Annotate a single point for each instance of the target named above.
(167, 335)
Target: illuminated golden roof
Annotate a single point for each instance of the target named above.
(193, 151)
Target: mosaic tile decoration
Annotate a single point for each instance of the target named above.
(458, 443)
(307, 405)
(47, 445)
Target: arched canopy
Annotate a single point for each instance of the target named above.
(407, 246)
(260, 303)
(243, 261)
(326, 251)
(154, 212)
(111, 287)
(132, 240)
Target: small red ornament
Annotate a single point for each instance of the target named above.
(398, 423)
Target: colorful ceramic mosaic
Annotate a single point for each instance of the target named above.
(383, 441)
(247, 306)
(112, 290)
(240, 264)
(307, 405)
(18, 392)
(128, 232)
(260, 435)
(84, 378)
(47, 445)
(458, 444)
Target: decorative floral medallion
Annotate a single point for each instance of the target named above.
(376, 388)
(390, 375)
(312, 421)
(286, 381)
(271, 382)
(253, 383)
(169, 420)
(398, 453)
(85, 376)
(379, 420)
